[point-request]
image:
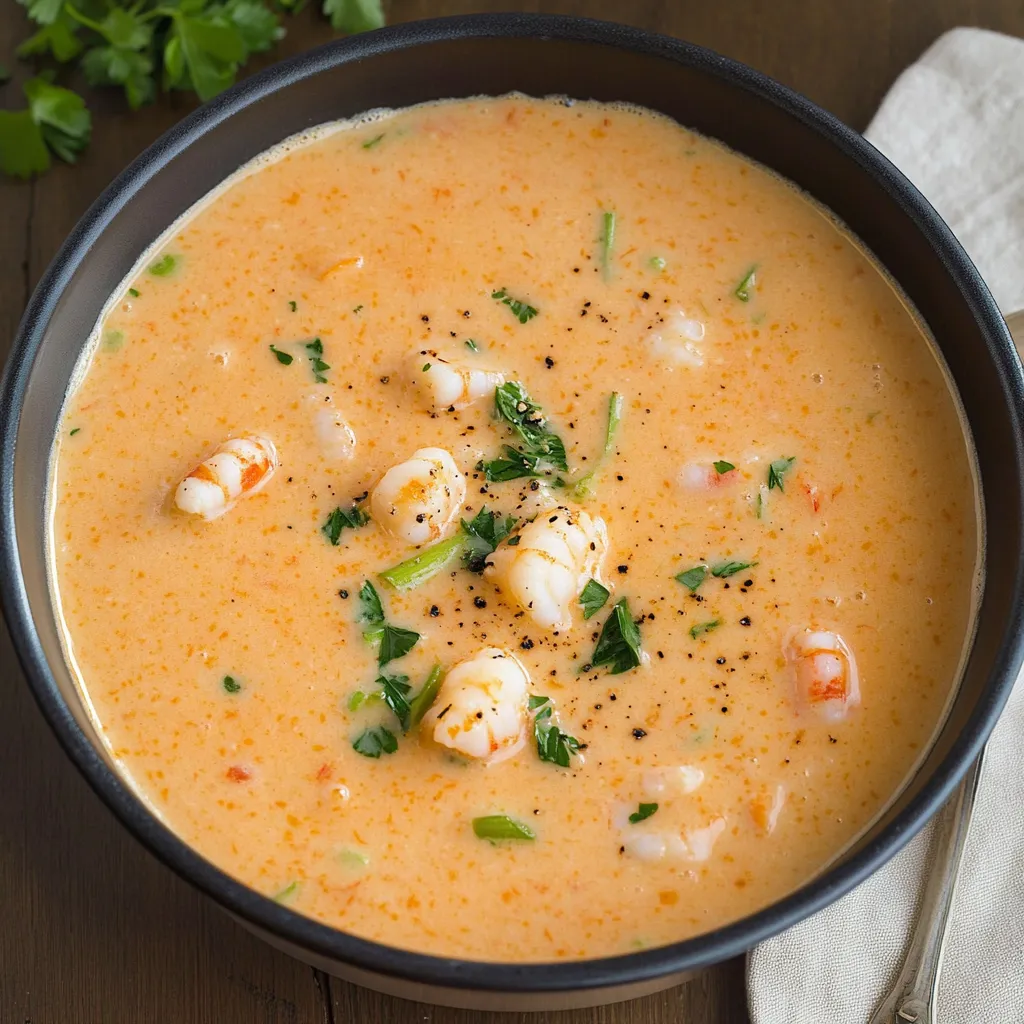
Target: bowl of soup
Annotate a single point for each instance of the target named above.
(515, 509)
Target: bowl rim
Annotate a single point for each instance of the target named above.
(322, 940)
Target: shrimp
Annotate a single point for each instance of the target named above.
(548, 567)
(766, 807)
(240, 466)
(451, 383)
(705, 476)
(336, 438)
(693, 844)
(419, 499)
(481, 711)
(663, 782)
(676, 341)
(824, 672)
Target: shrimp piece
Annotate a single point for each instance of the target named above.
(824, 672)
(695, 844)
(419, 499)
(451, 383)
(336, 438)
(240, 466)
(664, 782)
(702, 476)
(480, 711)
(766, 807)
(676, 341)
(547, 569)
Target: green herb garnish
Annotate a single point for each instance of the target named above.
(353, 858)
(163, 266)
(420, 704)
(293, 305)
(642, 812)
(777, 470)
(584, 487)
(472, 345)
(55, 120)
(426, 563)
(593, 598)
(374, 742)
(341, 518)
(704, 627)
(552, 744)
(286, 893)
(522, 311)
(282, 357)
(371, 611)
(512, 464)
(315, 348)
(73, 431)
(607, 240)
(501, 826)
(723, 467)
(374, 141)
(134, 292)
(395, 642)
(725, 569)
(230, 684)
(693, 578)
(747, 285)
(657, 263)
(484, 532)
(619, 643)
(358, 309)
(525, 417)
(396, 691)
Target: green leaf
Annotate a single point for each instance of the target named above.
(164, 266)
(642, 812)
(593, 598)
(777, 470)
(692, 578)
(619, 643)
(230, 684)
(370, 608)
(257, 25)
(174, 63)
(58, 40)
(484, 532)
(43, 12)
(125, 29)
(723, 467)
(61, 115)
(472, 345)
(211, 50)
(512, 464)
(374, 742)
(725, 569)
(353, 16)
(525, 417)
(428, 562)
(5, 74)
(420, 704)
(110, 65)
(375, 141)
(22, 149)
(553, 745)
(704, 627)
(396, 691)
(657, 263)
(746, 285)
(287, 360)
(340, 518)
(522, 311)
(501, 826)
(287, 893)
(395, 642)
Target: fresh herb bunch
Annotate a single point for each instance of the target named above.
(143, 47)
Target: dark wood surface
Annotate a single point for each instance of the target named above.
(92, 929)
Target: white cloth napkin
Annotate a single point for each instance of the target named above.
(954, 124)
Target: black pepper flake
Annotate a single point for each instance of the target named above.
(639, 734)
(745, 621)
(645, 295)
(832, 739)
(527, 644)
(343, 594)
(549, 362)
(661, 654)
(611, 696)
(725, 711)
(623, 569)
(425, 318)
(434, 611)
(719, 661)
(479, 602)
(385, 380)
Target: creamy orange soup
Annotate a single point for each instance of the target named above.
(736, 531)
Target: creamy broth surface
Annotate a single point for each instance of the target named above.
(223, 657)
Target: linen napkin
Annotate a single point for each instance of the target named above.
(954, 124)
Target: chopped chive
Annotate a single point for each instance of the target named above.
(420, 704)
(163, 266)
(501, 826)
(746, 285)
(642, 812)
(286, 893)
(472, 345)
(693, 578)
(374, 141)
(230, 684)
(282, 357)
(353, 858)
(73, 431)
(418, 569)
(704, 627)
(607, 240)
(614, 419)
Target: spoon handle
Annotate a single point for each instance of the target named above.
(914, 996)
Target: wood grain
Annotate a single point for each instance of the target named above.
(93, 930)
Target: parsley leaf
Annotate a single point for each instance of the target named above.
(512, 464)
(315, 348)
(693, 578)
(593, 598)
(619, 643)
(726, 569)
(704, 627)
(374, 742)
(396, 691)
(723, 467)
(501, 826)
(642, 812)
(354, 15)
(420, 704)
(371, 610)
(553, 745)
(230, 684)
(777, 470)
(285, 359)
(746, 285)
(522, 311)
(514, 405)
(484, 532)
(340, 518)
(55, 121)
(395, 642)
(163, 266)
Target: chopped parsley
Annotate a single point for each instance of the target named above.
(371, 611)
(472, 345)
(593, 598)
(163, 266)
(395, 642)
(693, 578)
(721, 466)
(359, 698)
(725, 569)
(501, 826)
(483, 533)
(522, 311)
(607, 240)
(657, 263)
(282, 357)
(426, 563)
(746, 285)
(512, 464)
(420, 704)
(358, 309)
(642, 812)
(341, 518)
(230, 684)
(396, 691)
(315, 348)
(777, 470)
(553, 745)
(370, 143)
(134, 292)
(514, 405)
(285, 895)
(73, 431)
(619, 644)
(293, 305)
(704, 627)
(374, 742)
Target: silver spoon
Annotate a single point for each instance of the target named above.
(914, 997)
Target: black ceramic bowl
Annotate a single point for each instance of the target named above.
(539, 56)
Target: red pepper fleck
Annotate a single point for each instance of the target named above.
(238, 773)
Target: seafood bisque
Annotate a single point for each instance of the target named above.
(514, 529)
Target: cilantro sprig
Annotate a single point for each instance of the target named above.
(618, 646)
(54, 122)
(541, 449)
(553, 745)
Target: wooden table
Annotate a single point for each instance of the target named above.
(92, 929)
